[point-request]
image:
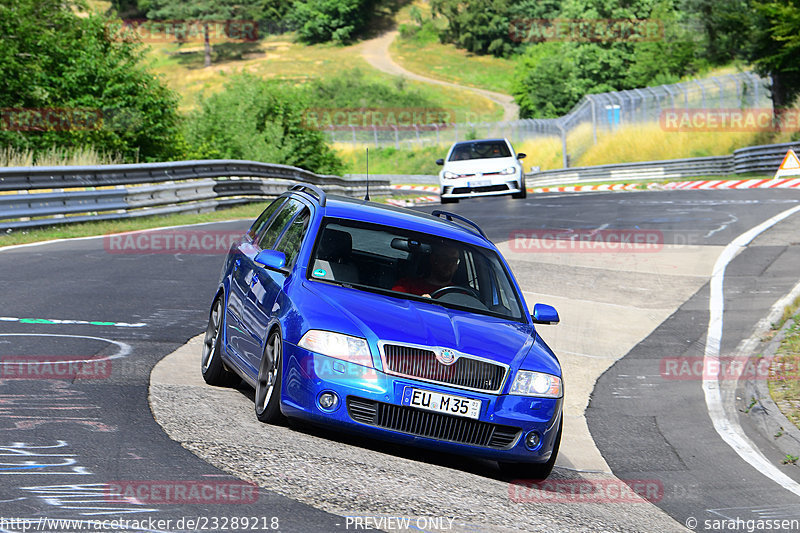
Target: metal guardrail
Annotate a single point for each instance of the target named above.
(127, 191)
(751, 160)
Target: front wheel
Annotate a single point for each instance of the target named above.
(214, 371)
(449, 200)
(523, 193)
(268, 384)
(533, 471)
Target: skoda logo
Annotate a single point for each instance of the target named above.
(446, 356)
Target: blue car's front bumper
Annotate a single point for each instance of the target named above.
(370, 403)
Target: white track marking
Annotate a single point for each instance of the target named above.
(124, 348)
(727, 428)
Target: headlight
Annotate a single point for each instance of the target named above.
(337, 345)
(528, 383)
(449, 175)
(509, 170)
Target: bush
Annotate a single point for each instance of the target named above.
(320, 21)
(261, 121)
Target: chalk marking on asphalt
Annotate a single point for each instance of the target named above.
(55, 321)
(124, 348)
(730, 430)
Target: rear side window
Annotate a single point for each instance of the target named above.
(264, 218)
(292, 238)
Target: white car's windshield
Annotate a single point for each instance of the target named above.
(479, 150)
(412, 265)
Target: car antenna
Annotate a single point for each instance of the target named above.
(366, 196)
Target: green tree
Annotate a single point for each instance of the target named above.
(774, 47)
(320, 21)
(205, 12)
(262, 121)
(58, 59)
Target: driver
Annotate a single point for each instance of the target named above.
(444, 260)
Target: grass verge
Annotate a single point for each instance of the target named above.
(784, 376)
(87, 229)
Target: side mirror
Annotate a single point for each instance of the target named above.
(271, 259)
(544, 314)
(521, 156)
(440, 161)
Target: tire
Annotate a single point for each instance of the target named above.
(268, 384)
(449, 200)
(523, 193)
(211, 365)
(532, 471)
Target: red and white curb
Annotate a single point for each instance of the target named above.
(583, 188)
(793, 183)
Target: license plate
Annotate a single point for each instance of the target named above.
(479, 183)
(442, 403)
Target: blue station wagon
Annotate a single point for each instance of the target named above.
(387, 322)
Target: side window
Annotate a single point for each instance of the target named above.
(266, 239)
(264, 217)
(292, 238)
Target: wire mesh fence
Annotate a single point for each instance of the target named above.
(602, 112)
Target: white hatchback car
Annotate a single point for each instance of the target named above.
(487, 167)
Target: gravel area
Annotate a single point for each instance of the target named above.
(356, 477)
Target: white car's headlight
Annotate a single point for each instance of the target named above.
(449, 175)
(338, 346)
(528, 383)
(508, 171)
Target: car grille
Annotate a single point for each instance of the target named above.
(438, 426)
(465, 372)
(488, 188)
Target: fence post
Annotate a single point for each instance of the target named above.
(594, 118)
(564, 157)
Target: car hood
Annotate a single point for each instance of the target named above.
(379, 317)
(483, 166)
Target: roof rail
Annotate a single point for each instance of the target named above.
(306, 187)
(450, 216)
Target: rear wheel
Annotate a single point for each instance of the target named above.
(214, 371)
(533, 471)
(268, 384)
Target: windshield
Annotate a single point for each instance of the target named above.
(479, 150)
(412, 265)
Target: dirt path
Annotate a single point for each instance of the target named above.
(376, 52)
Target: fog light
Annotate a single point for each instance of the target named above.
(328, 401)
(532, 440)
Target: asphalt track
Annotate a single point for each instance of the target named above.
(63, 440)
